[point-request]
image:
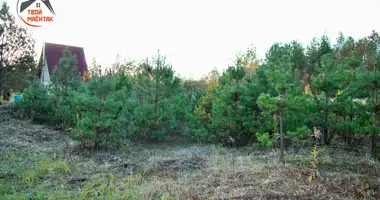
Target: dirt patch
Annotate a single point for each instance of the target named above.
(157, 165)
(16, 134)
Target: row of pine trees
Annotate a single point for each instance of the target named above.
(278, 101)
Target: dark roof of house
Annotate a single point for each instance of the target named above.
(54, 52)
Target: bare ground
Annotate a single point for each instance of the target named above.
(37, 162)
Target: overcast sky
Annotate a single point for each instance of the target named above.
(196, 35)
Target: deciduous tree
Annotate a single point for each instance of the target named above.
(16, 53)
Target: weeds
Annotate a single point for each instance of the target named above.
(314, 162)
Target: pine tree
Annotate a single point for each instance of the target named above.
(279, 71)
(203, 111)
(298, 59)
(65, 80)
(370, 80)
(36, 102)
(227, 109)
(344, 106)
(156, 84)
(99, 104)
(253, 121)
(65, 74)
(328, 80)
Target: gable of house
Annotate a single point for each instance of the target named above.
(52, 53)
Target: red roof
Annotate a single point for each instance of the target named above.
(54, 52)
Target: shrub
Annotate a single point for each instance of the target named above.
(264, 139)
(98, 107)
(36, 102)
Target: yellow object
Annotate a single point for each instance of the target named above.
(86, 75)
(308, 90)
(10, 100)
(314, 164)
(310, 179)
(338, 93)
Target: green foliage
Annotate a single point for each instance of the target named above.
(253, 121)
(247, 103)
(227, 109)
(17, 65)
(157, 89)
(264, 139)
(37, 103)
(203, 111)
(66, 73)
(65, 80)
(267, 103)
(97, 107)
(329, 77)
(301, 111)
(300, 135)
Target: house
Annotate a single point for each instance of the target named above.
(50, 56)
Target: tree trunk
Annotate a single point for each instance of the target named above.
(350, 131)
(326, 121)
(96, 132)
(156, 109)
(236, 108)
(156, 102)
(374, 134)
(293, 71)
(94, 129)
(373, 143)
(281, 159)
(375, 84)
(375, 93)
(2, 77)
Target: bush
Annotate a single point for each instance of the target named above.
(300, 136)
(36, 103)
(264, 139)
(97, 107)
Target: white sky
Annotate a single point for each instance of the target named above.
(196, 35)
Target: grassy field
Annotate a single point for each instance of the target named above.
(37, 162)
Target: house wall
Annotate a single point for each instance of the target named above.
(45, 77)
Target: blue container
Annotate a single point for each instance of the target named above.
(17, 98)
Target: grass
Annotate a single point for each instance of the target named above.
(39, 163)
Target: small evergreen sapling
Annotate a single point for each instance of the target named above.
(227, 109)
(156, 85)
(36, 102)
(279, 72)
(99, 105)
(300, 136)
(264, 139)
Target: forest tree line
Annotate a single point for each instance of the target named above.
(296, 89)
